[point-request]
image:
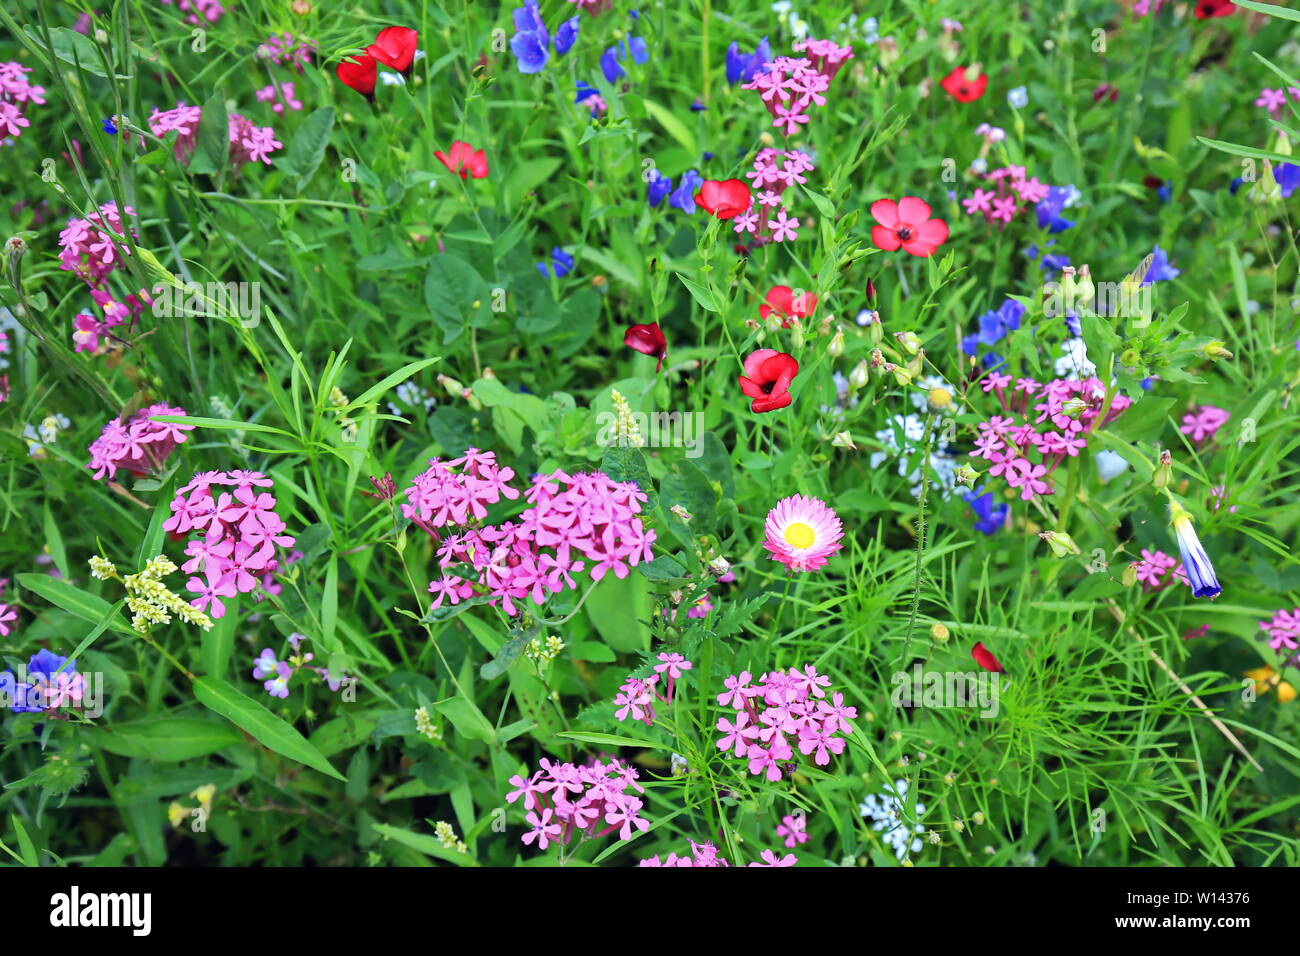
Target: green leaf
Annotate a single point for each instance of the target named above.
(467, 719)
(266, 728)
(26, 848)
(617, 608)
(72, 599)
(165, 739)
(307, 148)
(213, 141)
(454, 293)
(424, 843)
(607, 740)
(703, 296)
(673, 126)
(509, 652)
(377, 391)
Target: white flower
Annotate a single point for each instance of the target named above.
(1109, 464)
(1074, 364)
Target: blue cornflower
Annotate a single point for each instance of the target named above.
(745, 66)
(657, 187)
(991, 516)
(1161, 269)
(1049, 209)
(566, 35)
(531, 43)
(561, 262)
(611, 60)
(683, 197)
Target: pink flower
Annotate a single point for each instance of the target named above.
(1271, 100)
(543, 830)
(1203, 422)
(802, 533)
(770, 858)
(7, 617)
(139, 444)
(1283, 630)
(792, 829)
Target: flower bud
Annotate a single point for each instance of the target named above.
(843, 440)
(939, 633)
(796, 334)
(1129, 576)
(916, 365)
(910, 342)
(966, 475)
(1084, 288)
(1130, 358)
(1215, 351)
(901, 375)
(860, 375)
(1061, 543)
(1164, 471)
(1074, 407)
(836, 347)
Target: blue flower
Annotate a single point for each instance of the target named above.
(531, 43)
(561, 261)
(745, 66)
(991, 516)
(1049, 209)
(658, 186)
(18, 697)
(1200, 572)
(1288, 177)
(698, 106)
(1054, 263)
(994, 325)
(1161, 270)
(683, 197)
(109, 126)
(566, 35)
(611, 60)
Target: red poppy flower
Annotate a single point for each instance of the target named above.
(963, 89)
(465, 160)
(781, 300)
(395, 47)
(985, 659)
(767, 378)
(725, 199)
(648, 339)
(359, 72)
(1206, 9)
(907, 223)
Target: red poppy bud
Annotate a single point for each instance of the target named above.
(648, 339)
(985, 659)
(395, 47)
(359, 73)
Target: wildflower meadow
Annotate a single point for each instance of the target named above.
(587, 433)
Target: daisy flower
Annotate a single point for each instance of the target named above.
(802, 533)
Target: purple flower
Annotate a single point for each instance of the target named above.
(531, 43)
(991, 516)
(1161, 270)
(1049, 210)
(683, 197)
(566, 35)
(611, 60)
(745, 66)
(657, 187)
(562, 263)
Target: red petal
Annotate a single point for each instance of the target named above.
(884, 238)
(912, 211)
(395, 47)
(359, 73)
(985, 659)
(885, 212)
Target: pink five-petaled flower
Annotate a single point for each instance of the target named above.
(792, 828)
(770, 858)
(464, 160)
(543, 830)
(907, 224)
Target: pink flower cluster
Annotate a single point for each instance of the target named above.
(1151, 571)
(564, 799)
(706, 854)
(285, 48)
(14, 92)
(1010, 188)
(1203, 422)
(1275, 100)
(279, 95)
(790, 86)
(585, 515)
(792, 704)
(774, 170)
(85, 245)
(1063, 412)
(89, 332)
(1283, 630)
(238, 534)
(636, 698)
(137, 444)
(209, 10)
(248, 143)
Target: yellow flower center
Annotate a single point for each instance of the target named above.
(799, 535)
(940, 398)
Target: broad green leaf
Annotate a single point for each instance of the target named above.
(72, 599)
(165, 739)
(266, 728)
